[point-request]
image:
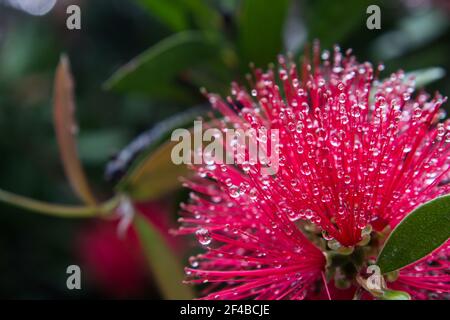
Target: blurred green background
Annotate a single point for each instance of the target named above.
(181, 45)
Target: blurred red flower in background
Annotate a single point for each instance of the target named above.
(116, 263)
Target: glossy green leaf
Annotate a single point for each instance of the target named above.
(162, 261)
(260, 28)
(419, 234)
(154, 71)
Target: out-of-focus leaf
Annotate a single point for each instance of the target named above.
(261, 30)
(66, 129)
(96, 147)
(162, 261)
(331, 21)
(178, 14)
(62, 211)
(426, 76)
(154, 176)
(413, 32)
(420, 233)
(152, 172)
(172, 12)
(156, 68)
(216, 75)
(137, 152)
(204, 15)
(294, 33)
(24, 50)
(228, 6)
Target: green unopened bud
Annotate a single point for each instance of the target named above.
(392, 276)
(367, 230)
(334, 244)
(345, 250)
(364, 241)
(394, 295)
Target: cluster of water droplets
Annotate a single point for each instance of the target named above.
(353, 151)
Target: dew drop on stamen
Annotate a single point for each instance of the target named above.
(334, 140)
(347, 179)
(440, 130)
(325, 55)
(304, 107)
(203, 236)
(355, 111)
(234, 191)
(344, 120)
(309, 213)
(305, 169)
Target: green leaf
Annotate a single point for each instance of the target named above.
(332, 21)
(178, 14)
(204, 15)
(172, 12)
(420, 233)
(156, 69)
(426, 76)
(162, 261)
(153, 173)
(228, 6)
(154, 176)
(261, 30)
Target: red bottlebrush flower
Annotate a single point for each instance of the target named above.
(116, 265)
(355, 156)
(116, 262)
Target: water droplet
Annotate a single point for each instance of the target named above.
(355, 111)
(203, 236)
(347, 179)
(305, 169)
(334, 140)
(309, 213)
